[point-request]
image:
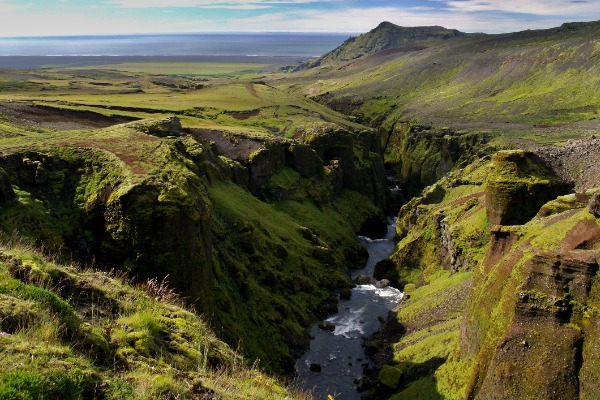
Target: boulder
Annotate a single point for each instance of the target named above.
(315, 367)
(364, 280)
(327, 326)
(382, 283)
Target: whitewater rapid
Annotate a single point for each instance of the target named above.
(340, 353)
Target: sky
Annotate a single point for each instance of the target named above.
(101, 17)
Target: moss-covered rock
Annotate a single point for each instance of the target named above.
(355, 157)
(532, 301)
(518, 185)
(594, 205)
(163, 127)
(390, 376)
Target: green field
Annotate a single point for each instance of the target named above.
(179, 68)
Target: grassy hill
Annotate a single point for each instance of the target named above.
(71, 332)
(521, 82)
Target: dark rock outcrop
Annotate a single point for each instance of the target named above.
(518, 186)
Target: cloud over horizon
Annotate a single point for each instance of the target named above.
(72, 17)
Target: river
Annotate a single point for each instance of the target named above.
(340, 353)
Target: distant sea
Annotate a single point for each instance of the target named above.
(300, 46)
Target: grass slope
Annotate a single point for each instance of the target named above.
(517, 83)
(78, 333)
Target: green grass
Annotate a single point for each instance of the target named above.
(177, 68)
(276, 263)
(507, 83)
(153, 347)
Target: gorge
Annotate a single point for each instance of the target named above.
(151, 223)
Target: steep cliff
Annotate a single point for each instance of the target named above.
(420, 155)
(257, 244)
(489, 304)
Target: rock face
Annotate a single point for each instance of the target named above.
(541, 342)
(147, 227)
(342, 158)
(354, 157)
(7, 193)
(519, 184)
(420, 155)
(539, 334)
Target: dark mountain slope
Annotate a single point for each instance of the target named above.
(385, 36)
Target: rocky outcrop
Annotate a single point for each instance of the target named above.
(330, 154)
(356, 157)
(518, 185)
(150, 227)
(164, 127)
(543, 303)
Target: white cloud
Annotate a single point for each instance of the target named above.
(6, 7)
(362, 20)
(239, 6)
(234, 4)
(465, 15)
(536, 7)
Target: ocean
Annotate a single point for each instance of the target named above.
(231, 44)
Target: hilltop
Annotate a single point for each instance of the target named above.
(386, 36)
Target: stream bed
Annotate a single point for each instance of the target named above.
(339, 353)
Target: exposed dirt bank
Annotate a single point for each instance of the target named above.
(49, 117)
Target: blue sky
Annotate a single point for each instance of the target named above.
(85, 17)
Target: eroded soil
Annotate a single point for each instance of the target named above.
(29, 114)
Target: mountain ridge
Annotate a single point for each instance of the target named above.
(385, 36)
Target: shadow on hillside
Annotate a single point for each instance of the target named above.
(408, 380)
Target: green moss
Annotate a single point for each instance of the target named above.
(421, 389)
(390, 376)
